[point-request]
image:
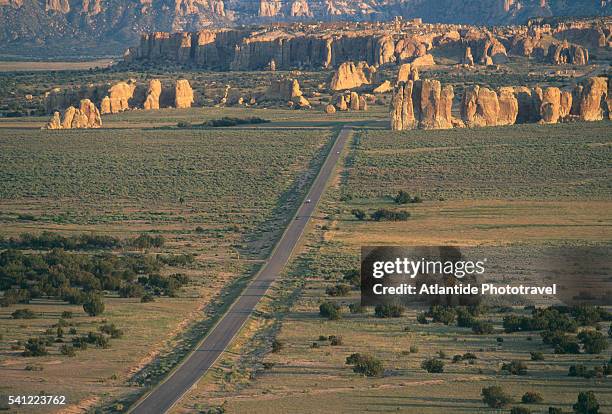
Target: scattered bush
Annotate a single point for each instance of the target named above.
(23, 314)
(359, 214)
(515, 368)
(66, 315)
(388, 311)
(594, 342)
(356, 308)
(112, 330)
(537, 356)
(433, 365)
(520, 410)
(482, 327)
(422, 318)
(146, 298)
(339, 289)
(35, 347)
(277, 346)
(384, 214)
(67, 350)
(227, 121)
(94, 305)
(495, 397)
(369, 366)
(335, 340)
(329, 310)
(531, 398)
(443, 314)
(352, 277)
(414, 349)
(586, 404)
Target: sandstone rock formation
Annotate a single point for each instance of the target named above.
(153, 94)
(341, 103)
(383, 87)
(527, 112)
(86, 116)
(565, 107)
(550, 106)
(407, 72)
(508, 106)
(287, 90)
(593, 99)
(480, 107)
(120, 95)
(183, 97)
(349, 76)
(330, 109)
(468, 59)
(354, 101)
(425, 60)
(422, 104)
(563, 53)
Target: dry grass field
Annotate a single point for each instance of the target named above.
(525, 188)
(221, 196)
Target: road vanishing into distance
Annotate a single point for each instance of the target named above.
(169, 392)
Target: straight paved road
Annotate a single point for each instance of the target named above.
(163, 397)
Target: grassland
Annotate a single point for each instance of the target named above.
(222, 195)
(523, 188)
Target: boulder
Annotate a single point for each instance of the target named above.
(363, 103)
(153, 93)
(349, 76)
(91, 115)
(55, 122)
(593, 99)
(354, 101)
(341, 104)
(120, 95)
(468, 59)
(383, 87)
(330, 109)
(69, 115)
(550, 106)
(183, 97)
(283, 89)
(105, 107)
(508, 106)
(407, 72)
(426, 60)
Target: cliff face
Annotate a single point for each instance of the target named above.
(95, 27)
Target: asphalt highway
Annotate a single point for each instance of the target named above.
(170, 391)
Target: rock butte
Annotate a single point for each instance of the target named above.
(331, 44)
(428, 105)
(85, 116)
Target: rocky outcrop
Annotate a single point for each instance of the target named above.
(287, 90)
(593, 99)
(120, 95)
(508, 106)
(550, 105)
(183, 94)
(330, 109)
(422, 104)
(153, 94)
(407, 72)
(564, 53)
(383, 87)
(86, 116)
(426, 60)
(527, 110)
(349, 76)
(468, 58)
(480, 107)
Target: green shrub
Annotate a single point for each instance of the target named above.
(112, 330)
(433, 365)
(388, 311)
(35, 347)
(594, 342)
(537, 356)
(339, 289)
(335, 340)
(94, 305)
(23, 314)
(531, 397)
(482, 327)
(369, 366)
(443, 314)
(359, 214)
(329, 310)
(384, 214)
(586, 404)
(520, 410)
(414, 349)
(422, 318)
(515, 368)
(66, 315)
(495, 397)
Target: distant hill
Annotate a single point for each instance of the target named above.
(72, 28)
